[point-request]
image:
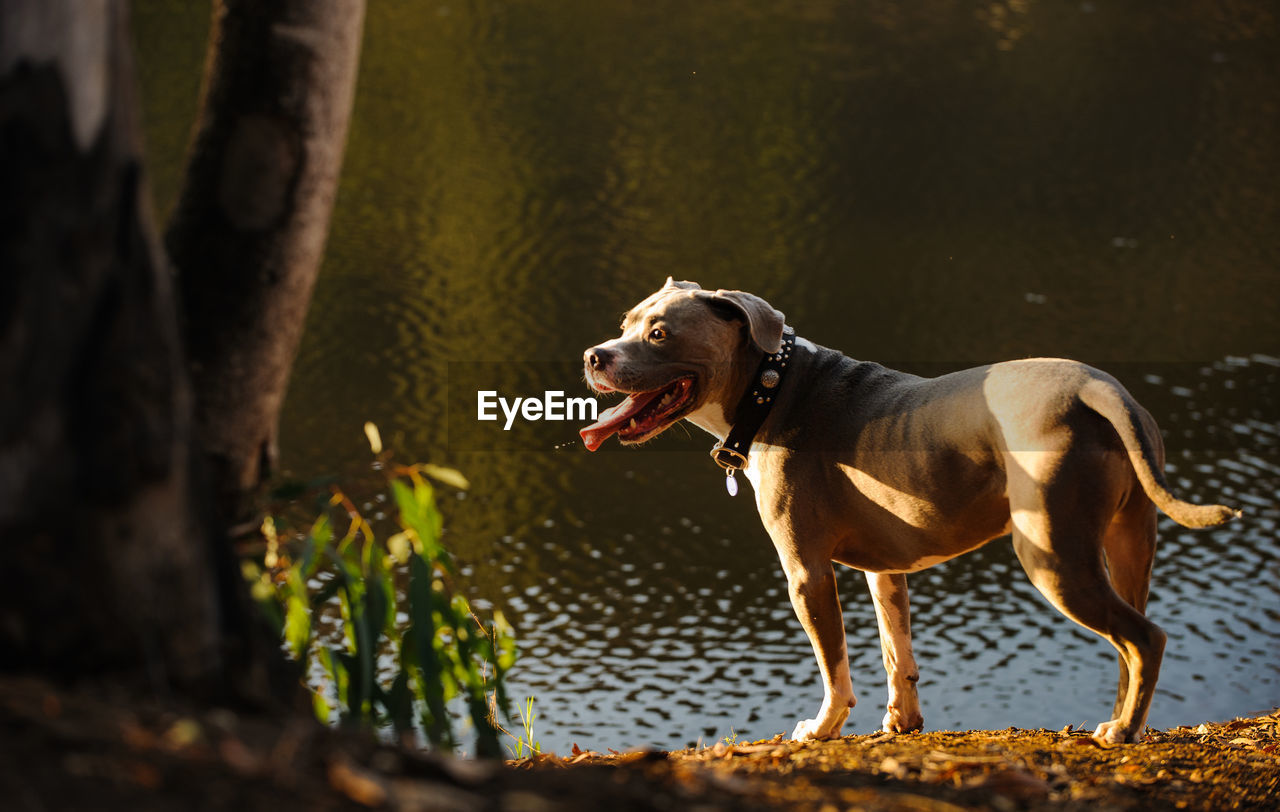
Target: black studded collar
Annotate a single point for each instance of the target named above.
(756, 403)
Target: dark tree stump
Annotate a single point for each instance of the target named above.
(108, 552)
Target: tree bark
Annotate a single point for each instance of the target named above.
(108, 557)
(251, 221)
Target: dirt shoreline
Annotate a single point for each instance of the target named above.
(80, 750)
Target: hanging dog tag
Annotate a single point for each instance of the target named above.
(730, 484)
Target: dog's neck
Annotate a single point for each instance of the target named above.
(745, 393)
(710, 417)
(715, 415)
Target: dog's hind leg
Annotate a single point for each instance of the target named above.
(893, 614)
(1130, 544)
(1060, 519)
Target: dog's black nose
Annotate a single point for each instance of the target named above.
(598, 357)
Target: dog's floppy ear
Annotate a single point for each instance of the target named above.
(672, 283)
(763, 321)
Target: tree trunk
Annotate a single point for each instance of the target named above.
(109, 561)
(252, 217)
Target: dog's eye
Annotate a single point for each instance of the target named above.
(657, 334)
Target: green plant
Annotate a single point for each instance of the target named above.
(527, 717)
(442, 653)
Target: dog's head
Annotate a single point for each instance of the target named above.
(680, 349)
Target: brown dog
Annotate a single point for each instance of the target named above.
(890, 473)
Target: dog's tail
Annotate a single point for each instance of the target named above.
(1113, 403)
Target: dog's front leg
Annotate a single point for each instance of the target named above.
(889, 594)
(813, 596)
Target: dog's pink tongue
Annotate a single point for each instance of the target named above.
(612, 420)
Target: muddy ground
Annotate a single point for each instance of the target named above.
(64, 750)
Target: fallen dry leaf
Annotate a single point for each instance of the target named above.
(891, 766)
(640, 755)
(1085, 741)
(426, 796)
(1014, 783)
(938, 755)
(730, 783)
(747, 749)
(136, 736)
(1135, 780)
(238, 757)
(357, 784)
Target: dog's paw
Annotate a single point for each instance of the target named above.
(808, 730)
(896, 721)
(831, 717)
(1113, 732)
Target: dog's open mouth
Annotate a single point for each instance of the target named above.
(641, 415)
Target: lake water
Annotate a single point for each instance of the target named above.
(930, 185)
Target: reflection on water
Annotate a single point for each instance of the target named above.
(933, 184)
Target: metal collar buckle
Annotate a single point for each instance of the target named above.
(735, 461)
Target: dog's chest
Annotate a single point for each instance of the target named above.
(752, 471)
